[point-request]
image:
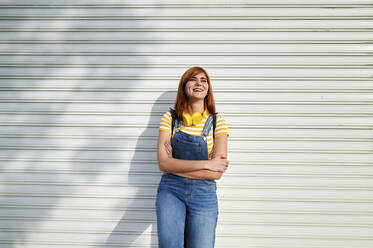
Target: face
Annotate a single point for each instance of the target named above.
(197, 87)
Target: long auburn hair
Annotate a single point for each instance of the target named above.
(181, 102)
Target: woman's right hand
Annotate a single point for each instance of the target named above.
(218, 163)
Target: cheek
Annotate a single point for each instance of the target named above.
(207, 88)
(188, 88)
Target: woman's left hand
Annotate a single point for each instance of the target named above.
(168, 149)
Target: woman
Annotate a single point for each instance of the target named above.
(191, 159)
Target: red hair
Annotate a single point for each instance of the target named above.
(181, 102)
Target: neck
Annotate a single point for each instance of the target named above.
(196, 106)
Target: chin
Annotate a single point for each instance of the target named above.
(199, 97)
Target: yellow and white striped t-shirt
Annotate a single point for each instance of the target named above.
(221, 128)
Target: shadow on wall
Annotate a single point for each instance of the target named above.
(139, 218)
(41, 133)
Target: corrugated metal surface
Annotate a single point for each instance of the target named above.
(84, 83)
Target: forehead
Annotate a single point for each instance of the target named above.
(200, 75)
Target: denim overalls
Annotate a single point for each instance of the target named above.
(187, 209)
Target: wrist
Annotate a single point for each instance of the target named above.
(206, 164)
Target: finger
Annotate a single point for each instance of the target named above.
(168, 151)
(168, 147)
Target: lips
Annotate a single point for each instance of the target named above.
(197, 90)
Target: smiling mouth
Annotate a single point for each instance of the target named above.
(197, 90)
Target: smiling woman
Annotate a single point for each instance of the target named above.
(191, 158)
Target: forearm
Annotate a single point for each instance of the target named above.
(173, 165)
(201, 174)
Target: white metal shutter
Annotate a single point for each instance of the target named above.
(84, 84)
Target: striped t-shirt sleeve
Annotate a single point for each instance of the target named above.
(165, 124)
(221, 126)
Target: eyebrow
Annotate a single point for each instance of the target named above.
(201, 77)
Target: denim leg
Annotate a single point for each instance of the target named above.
(171, 212)
(202, 216)
(200, 229)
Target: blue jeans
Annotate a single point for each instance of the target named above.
(187, 209)
(187, 212)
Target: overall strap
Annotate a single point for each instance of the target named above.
(175, 123)
(209, 123)
(214, 125)
(172, 124)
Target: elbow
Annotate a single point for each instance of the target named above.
(218, 175)
(162, 165)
